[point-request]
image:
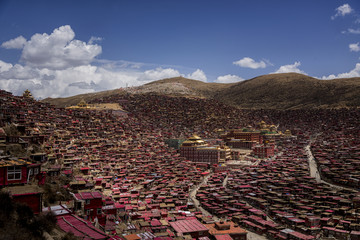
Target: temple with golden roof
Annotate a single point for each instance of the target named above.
(194, 141)
(27, 94)
(81, 105)
(195, 149)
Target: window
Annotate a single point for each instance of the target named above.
(14, 173)
(98, 211)
(87, 201)
(88, 212)
(36, 171)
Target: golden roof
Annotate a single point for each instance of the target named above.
(195, 137)
(82, 103)
(27, 94)
(13, 162)
(195, 140)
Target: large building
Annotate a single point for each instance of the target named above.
(196, 150)
(239, 143)
(242, 138)
(264, 151)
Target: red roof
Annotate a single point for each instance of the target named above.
(301, 236)
(188, 226)
(87, 195)
(223, 237)
(79, 227)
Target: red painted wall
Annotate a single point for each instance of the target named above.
(3, 177)
(33, 200)
(94, 204)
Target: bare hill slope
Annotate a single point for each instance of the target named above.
(292, 90)
(194, 87)
(74, 100)
(272, 91)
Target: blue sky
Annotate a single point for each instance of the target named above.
(62, 48)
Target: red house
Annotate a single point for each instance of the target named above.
(80, 228)
(69, 222)
(13, 171)
(33, 170)
(190, 227)
(90, 203)
(30, 195)
(264, 151)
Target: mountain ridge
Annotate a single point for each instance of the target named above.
(272, 91)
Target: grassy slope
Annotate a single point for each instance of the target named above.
(292, 90)
(276, 91)
(73, 100)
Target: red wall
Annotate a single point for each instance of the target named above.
(33, 200)
(5, 182)
(94, 204)
(2, 176)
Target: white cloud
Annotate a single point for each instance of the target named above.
(354, 47)
(65, 82)
(78, 80)
(19, 72)
(57, 65)
(290, 68)
(59, 50)
(17, 43)
(197, 75)
(342, 11)
(228, 79)
(94, 39)
(5, 66)
(159, 73)
(353, 31)
(353, 73)
(110, 64)
(250, 63)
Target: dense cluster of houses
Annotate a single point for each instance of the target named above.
(124, 177)
(278, 195)
(127, 183)
(337, 155)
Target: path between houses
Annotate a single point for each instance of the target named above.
(196, 202)
(250, 235)
(314, 171)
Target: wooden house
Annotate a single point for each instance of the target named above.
(13, 171)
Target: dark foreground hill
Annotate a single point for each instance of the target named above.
(272, 91)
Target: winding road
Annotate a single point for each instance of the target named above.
(196, 202)
(314, 171)
(250, 235)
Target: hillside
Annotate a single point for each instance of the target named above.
(194, 87)
(272, 91)
(292, 91)
(177, 86)
(74, 100)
